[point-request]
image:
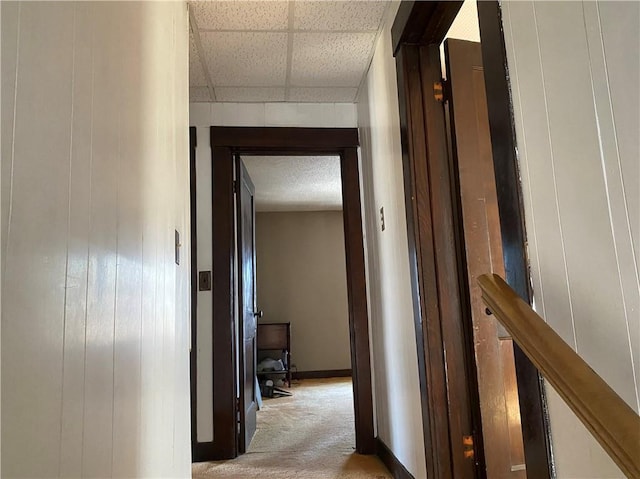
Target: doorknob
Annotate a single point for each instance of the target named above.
(258, 314)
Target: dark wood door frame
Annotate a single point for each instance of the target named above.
(225, 143)
(533, 403)
(193, 144)
(433, 222)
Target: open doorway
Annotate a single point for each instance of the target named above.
(234, 351)
(475, 399)
(302, 347)
(300, 264)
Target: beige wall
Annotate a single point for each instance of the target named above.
(95, 317)
(301, 278)
(574, 70)
(396, 385)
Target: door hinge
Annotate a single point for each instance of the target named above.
(467, 447)
(238, 409)
(235, 186)
(438, 91)
(441, 90)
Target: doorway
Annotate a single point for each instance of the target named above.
(227, 142)
(447, 155)
(303, 324)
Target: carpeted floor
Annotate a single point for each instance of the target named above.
(307, 436)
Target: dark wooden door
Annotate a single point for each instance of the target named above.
(498, 394)
(247, 315)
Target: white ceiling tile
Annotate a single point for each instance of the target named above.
(245, 58)
(330, 59)
(287, 183)
(199, 93)
(240, 15)
(342, 15)
(249, 94)
(319, 94)
(196, 71)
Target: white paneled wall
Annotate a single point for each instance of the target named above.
(95, 322)
(574, 69)
(395, 362)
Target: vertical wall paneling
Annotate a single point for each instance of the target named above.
(619, 23)
(38, 166)
(581, 192)
(79, 225)
(100, 324)
(532, 130)
(2, 220)
(618, 126)
(9, 54)
(95, 181)
(575, 96)
(1, 234)
(128, 288)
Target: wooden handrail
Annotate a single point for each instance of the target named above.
(611, 421)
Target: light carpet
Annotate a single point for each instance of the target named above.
(307, 436)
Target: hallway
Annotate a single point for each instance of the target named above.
(308, 436)
(120, 330)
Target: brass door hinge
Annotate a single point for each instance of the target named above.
(438, 91)
(467, 447)
(441, 90)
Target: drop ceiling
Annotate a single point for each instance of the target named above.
(286, 183)
(295, 183)
(273, 51)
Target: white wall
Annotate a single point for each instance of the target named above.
(574, 70)
(397, 390)
(301, 278)
(95, 322)
(312, 115)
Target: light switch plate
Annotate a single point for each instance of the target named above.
(178, 245)
(204, 281)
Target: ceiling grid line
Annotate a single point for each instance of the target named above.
(287, 81)
(283, 51)
(196, 38)
(383, 19)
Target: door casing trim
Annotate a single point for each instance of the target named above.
(423, 25)
(268, 141)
